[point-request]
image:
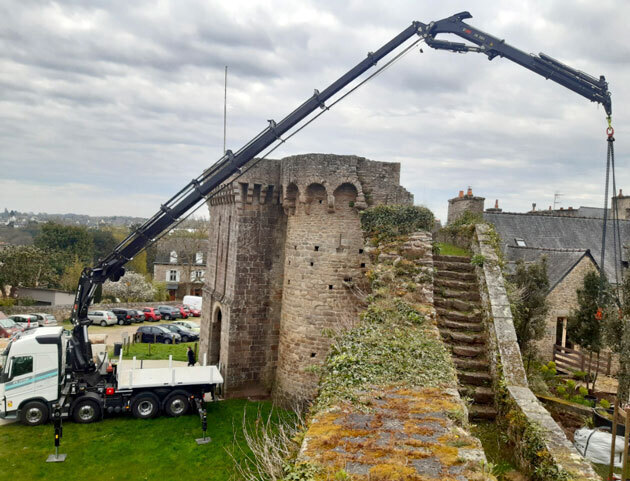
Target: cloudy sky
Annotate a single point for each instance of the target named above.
(110, 107)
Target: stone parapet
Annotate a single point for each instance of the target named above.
(528, 422)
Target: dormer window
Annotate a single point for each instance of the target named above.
(173, 257)
(520, 242)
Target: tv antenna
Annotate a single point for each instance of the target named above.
(556, 199)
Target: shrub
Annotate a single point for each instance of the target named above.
(604, 403)
(477, 260)
(388, 221)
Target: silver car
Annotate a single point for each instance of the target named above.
(44, 319)
(104, 318)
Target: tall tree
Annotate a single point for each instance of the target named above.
(528, 289)
(26, 266)
(70, 241)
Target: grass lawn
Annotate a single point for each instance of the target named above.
(159, 351)
(452, 250)
(124, 448)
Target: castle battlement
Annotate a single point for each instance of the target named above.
(285, 237)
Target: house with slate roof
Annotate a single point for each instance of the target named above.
(571, 246)
(570, 240)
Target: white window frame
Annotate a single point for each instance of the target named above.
(199, 258)
(173, 257)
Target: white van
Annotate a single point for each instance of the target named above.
(193, 301)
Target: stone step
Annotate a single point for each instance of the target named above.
(479, 394)
(474, 316)
(440, 258)
(468, 350)
(460, 285)
(462, 337)
(482, 411)
(475, 378)
(455, 304)
(466, 295)
(459, 276)
(461, 326)
(470, 363)
(453, 266)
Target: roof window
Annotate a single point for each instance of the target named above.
(520, 242)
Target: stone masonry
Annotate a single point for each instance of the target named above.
(285, 240)
(464, 203)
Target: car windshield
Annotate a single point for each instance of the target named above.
(7, 323)
(50, 317)
(4, 356)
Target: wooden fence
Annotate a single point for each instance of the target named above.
(568, 360)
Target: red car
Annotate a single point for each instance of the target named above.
(184, 312)
(192, 312)
(152, 314)
(8, 327)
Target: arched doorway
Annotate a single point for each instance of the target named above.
(215, 336)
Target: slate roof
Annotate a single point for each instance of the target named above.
(559, 261)
(558, 232)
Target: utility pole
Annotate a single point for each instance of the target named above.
(225, 110)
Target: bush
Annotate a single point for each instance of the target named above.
(388, 221)
(604, 403)
(477, 260)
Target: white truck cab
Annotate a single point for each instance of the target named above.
(32, 372)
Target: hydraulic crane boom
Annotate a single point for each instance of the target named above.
(200, 188)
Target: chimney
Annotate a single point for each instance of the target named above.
(461, 194)
(533, 206)
(496, 204)
(549, 207)
(570, 208)
(469, 192)
(620, 193)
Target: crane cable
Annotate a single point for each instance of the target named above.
(617, 246)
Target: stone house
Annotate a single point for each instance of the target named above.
(571, 246)
(181, 263)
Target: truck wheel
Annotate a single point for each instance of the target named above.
(86, 411)
(103, 323)
(176, 405)
(34, 413)
(145, 406)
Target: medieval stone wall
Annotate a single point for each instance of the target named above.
(285, 239)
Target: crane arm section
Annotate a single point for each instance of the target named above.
(582, 83)
(210, 181)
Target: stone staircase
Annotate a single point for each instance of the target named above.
(458, 305)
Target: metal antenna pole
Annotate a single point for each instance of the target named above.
(225, 109)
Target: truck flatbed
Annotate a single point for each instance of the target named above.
(168, 376)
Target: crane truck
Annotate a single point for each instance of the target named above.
(45, 368)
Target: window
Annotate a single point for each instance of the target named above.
(173, 257)
(520, 242)
(172, 276)
(22, 365)
(199, 258)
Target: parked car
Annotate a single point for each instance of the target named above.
(45, 320)
(104, 318)
(8, 327)
(124, 316)
(152, 314)
(138, 315)
(183, 312)
(153, 334)
(191, 326)
(193, 311)
(186, 335)
(169, 312)
(27, 321)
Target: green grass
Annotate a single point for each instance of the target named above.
(495, 446)
(125, 448)
(452, 250)
(159, 351)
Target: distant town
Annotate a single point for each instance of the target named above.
(13, 218)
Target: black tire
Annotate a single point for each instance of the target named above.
(34, 413)
(167, 341)
(103, 323)
(185, 339)
(177, 404)
(86, 411)
(145, 406)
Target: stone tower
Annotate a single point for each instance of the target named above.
(623, 204)
(464, 203)
(285, 243)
